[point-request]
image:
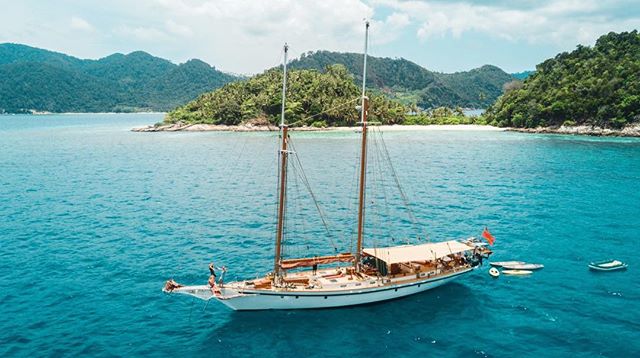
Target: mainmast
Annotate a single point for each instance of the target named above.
(282, 185)
(364, 107)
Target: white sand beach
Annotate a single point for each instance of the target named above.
(252, 128)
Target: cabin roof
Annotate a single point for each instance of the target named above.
(422, 252)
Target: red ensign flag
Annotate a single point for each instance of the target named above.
(487, 236)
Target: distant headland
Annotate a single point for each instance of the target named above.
(589, 91)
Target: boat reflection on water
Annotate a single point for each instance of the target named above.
(369, 325)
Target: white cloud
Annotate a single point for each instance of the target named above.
(559, 22)
(390, 29)
(247, 36)
(177, 29)
(142, 33)
(78, 23)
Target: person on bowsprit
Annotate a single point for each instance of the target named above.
(212, 270)
(213, 278)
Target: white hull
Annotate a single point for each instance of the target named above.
(286, 300)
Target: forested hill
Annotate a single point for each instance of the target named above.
(41, 80)
(314, 98)
(522, 75)
(412, 84)
(597, 85)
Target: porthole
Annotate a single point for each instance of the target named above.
(325, 297)
(396, 290)
(281, 296)
(297, 297)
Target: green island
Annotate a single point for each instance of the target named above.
(413, 85)
(591, 90)
(316, 99)
(596, 87)
(591, 86)
(37, 80)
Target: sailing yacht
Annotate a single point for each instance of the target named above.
(366, 275)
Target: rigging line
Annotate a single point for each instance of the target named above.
(290, 224)
(373, 189)
(381, 175)
(232, 181)
(375, 211)
(383, 159)
(405, 200)
(351, 201)
(305, 181)
(380, 160)
(252, 163)
(275, 164)
(374, 182)
(299, 207)
(237, 161)
(296, 203)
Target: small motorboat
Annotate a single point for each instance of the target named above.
(503, 263)
(517, 272)
(608, 265)
(493, 272)
(523, 266)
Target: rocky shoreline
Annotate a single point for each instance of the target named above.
(628, 131)
(184, 127)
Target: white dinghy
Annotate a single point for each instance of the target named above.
(525, 266)
(502, 263)
(608, 265)
(517, 272)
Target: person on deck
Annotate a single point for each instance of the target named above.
(212, 270)
(213, 277)
(212, 280)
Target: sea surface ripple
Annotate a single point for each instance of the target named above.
(94, 218)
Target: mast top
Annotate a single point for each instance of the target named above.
(363, 117)
(284, 84)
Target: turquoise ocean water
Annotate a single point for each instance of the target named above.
(94, 218)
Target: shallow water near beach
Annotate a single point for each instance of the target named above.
(94, 219)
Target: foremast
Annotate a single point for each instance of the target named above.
(282, 177)
(364, 107)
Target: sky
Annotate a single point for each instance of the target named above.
(246, 36)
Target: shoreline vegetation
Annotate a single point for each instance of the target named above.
(590, 91)
(186, 127)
